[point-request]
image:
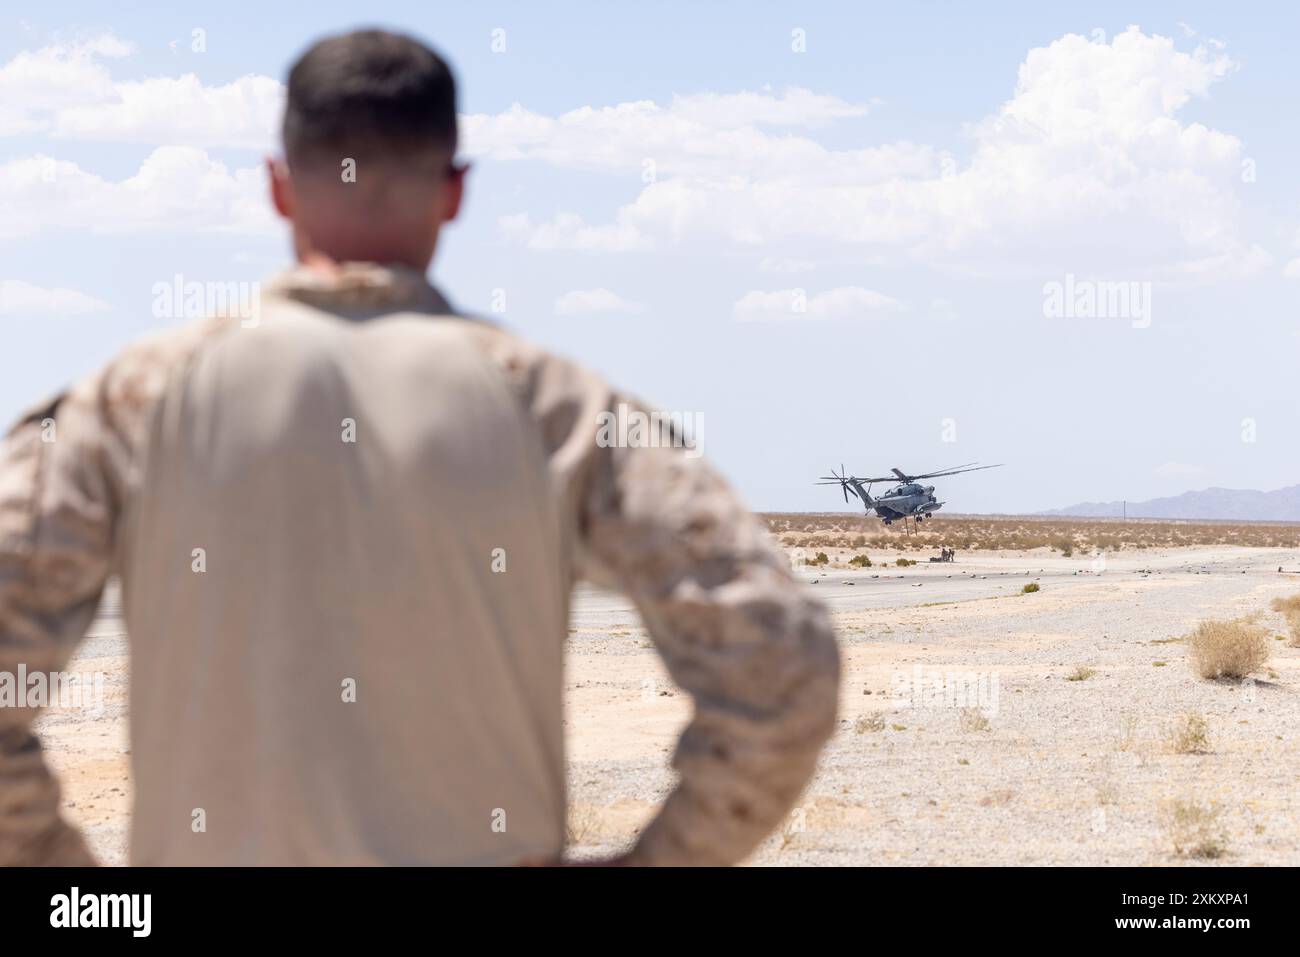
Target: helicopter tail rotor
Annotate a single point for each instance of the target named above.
(850, 485)
(843, 480)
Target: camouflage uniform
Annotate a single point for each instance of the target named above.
(368, 563)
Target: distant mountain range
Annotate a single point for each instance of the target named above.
(1247, 505)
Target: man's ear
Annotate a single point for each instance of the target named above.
(454, 193)
(281, 186)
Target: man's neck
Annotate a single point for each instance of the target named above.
(320, 257)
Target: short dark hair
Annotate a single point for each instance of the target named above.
(369, 93)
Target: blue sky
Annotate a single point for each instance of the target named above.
(843, 252)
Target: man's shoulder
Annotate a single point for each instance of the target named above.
(541, 377)
(134, 378)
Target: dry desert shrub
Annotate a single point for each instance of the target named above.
(869, 722)
(1126, 731)
(1289, 608)
(1229, 649)
(1190, 734)
(1020, 533)
(1081, 673)
(1195, 829)
(973, 720)
(998, 798)
(581, 825)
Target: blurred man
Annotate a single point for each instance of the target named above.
(347, 534)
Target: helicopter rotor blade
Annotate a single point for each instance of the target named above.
(951, 468)
(899, 475)
(971, 467)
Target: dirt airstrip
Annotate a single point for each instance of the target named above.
(979, 724)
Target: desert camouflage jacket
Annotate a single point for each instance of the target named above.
(109, 477)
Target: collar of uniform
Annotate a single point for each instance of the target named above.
(362, 287)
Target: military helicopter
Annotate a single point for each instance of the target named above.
(908, 499)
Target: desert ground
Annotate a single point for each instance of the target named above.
(979, 724)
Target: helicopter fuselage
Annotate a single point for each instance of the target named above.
(909, 500)
(906, 498)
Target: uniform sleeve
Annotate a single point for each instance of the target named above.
(66, 471)
(56, 516)
(735, 628)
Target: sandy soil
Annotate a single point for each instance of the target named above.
(1020, 766)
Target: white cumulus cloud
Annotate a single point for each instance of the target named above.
(67, 91)
(588, 302)
(1088, 166)
(569, 231)
(19, 298)
(176, 189)
(846, 302)
(180, 110)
